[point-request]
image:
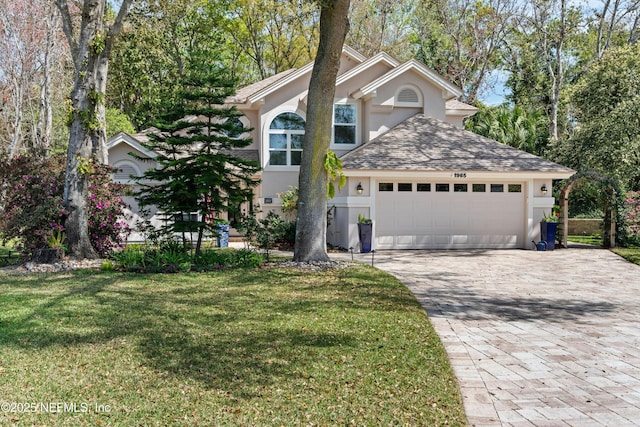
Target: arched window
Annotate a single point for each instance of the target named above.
(286, 133)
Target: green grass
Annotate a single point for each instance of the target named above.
(631, 254)
(595, 240)
(245, 347)
(8, 255)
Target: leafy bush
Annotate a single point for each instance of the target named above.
(169, 258)
(286, 234)
(289, 201)
(632, 216)
(131, 258)
(107, 227)
(31, 209)
(246, 258)
(269, 232)
(212, 259)
(31, 200)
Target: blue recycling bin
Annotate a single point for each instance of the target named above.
(223, 235)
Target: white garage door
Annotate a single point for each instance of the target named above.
(449, 215)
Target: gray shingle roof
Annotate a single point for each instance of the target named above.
(423, 143)
(245, 92)
(454, 104)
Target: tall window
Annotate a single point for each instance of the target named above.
(344, 124)
(286, 133)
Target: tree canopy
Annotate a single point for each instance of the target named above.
(606, 102)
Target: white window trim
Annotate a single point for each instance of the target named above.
(268, 118)
(414, 88)
(358, 125)
(288, 133)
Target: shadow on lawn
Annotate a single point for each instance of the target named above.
(189, 325)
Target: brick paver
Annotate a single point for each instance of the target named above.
(534, 338)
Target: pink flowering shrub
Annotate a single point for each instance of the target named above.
(31, 210)
(30, 200)
(632, 214)
(107, 228)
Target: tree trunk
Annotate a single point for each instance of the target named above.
(87, 138)
(311, 231)
(15, 137)
(45, 118)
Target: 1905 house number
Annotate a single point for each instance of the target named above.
(459, 174)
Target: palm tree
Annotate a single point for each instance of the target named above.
(514, 126)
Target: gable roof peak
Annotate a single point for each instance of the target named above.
(353, 53)
(449, 90)
(258, 90)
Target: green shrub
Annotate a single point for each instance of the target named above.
(286, 234)
(131, 258)
(174, 259)
(31, 195)
(246, 258)
(107, 265)
(269, 232)
(212, 259)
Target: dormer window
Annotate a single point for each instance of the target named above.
(408, 96)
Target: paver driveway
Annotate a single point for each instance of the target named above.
(535, 338)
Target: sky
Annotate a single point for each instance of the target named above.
(497, 94)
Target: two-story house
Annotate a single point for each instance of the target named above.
(411, 167)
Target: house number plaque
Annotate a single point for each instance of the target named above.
(459, 174)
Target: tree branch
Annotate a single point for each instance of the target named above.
(117, 24)
(67, 26)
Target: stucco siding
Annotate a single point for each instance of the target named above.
(277, 182)
(351, 85)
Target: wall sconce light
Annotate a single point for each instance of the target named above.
(359, 188)
(544, 189)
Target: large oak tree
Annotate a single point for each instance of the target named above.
(311, 231)
(91, 39)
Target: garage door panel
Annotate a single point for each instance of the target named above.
(424, 241)
(439, 220)
(402, 240)
(385, 242)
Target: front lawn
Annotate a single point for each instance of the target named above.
(269, 346)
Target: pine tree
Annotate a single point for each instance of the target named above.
(199, 164)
